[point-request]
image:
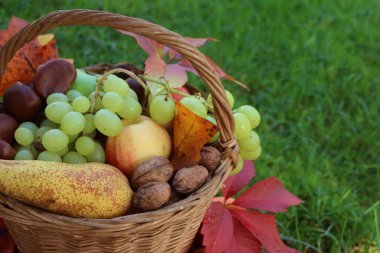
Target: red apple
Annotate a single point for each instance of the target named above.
(140, 139)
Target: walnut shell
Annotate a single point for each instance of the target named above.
(210, 158)
(155, 169)
(189, 179)
(152, 196)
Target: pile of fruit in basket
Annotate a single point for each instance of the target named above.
(67, 116)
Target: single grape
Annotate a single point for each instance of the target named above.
(130, 109)
(251, 155)
(217, 135)
(194, 105)
(48, 123)
(56, 110)
(24, 136)
(54, 97)
(238, 167)
(84, 83)
(252, 114)
(251, 143)
(49, 156)
(63, 151)
(98, 102)
(73, 158)
(72, 94)
(230, 98)
(98, 156)
(116, 84)
(112, 101)
(85, 145)
(55, 140)
(81, 104)
(150, 98)
(156, 91)
(107, 122)
(132, 94)
(89, 125)
(242, 126)
(72, 123)
(30, 125)
(162, 109)
(24, 154)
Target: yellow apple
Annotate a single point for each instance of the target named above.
(140, 139)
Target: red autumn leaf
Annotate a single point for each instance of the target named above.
(175, 74)
(155, 66)
(235, 183)
(198, 42)
(186, 64)
(6, 242)
(269, 195)
(252, 230)
(152, 47)
(148, 45)
(263, 228)
(28, 58)
(217, 225)
(243, 241)
(191, 133)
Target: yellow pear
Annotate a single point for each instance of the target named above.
(90, 190)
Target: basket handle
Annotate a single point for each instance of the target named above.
(144, 28)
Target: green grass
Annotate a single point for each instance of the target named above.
(313, 67)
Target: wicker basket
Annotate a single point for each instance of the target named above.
(171, 229)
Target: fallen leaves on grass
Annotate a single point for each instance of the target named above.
(231, 226)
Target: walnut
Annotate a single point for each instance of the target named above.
(210, 158)
(155, 169)
(152, 196)
(190, 179)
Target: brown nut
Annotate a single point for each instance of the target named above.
(190, 179)
(155, 169)
(152, 196)
(210, 158)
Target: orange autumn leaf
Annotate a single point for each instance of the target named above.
(23, 65)
(191, 133)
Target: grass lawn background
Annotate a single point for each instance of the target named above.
(314, 71)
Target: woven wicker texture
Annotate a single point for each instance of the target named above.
(171, 229)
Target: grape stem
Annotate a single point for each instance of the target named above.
(172, 90)
(166, 85)
(101, 79)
